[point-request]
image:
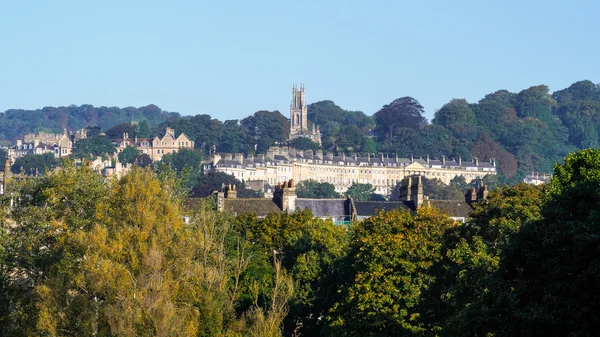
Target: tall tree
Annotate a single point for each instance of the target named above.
(390, 254)
(404, 112)
(315, 190)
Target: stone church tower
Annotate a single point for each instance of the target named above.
(299, 117)
(298, 111)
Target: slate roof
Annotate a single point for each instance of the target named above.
(368, 208)
(259, 206)
(325, 207)
(454, 208)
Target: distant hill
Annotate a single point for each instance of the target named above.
(531, 130)
(15, 123)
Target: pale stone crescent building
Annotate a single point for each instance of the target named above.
(382, 171)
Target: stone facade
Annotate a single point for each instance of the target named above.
(42, 143)
(155, 147)
(383, 172)
(299, 117)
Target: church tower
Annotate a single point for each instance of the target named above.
(298, 111)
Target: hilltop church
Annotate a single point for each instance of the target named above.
(299, 117)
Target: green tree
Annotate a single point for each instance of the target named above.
(303, 143)
(390, 255)
(360, 192)
(190, 158)
(264, 124)
(435, 189)
(128, 155)
(143, 129)
(457, 111)
(34, 164)
(312, 189)
(471, 253)
(92, 147)
(549, 270)
(119, 131)
(311, 250)
(404, 112)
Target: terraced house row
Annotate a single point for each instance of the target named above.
(384, 172)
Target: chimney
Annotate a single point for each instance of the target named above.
(482, 194)
(404, 189)
(459, 161)
(220, 200)
(476, 160)
(471, 195)
(355, 156)
(494, 162)
(443, 160)
(344, 156)
(330, 156)
(319, 154)
(427, 159)
(250, 157)
(381, 155)
(231, 192)
(396, 157)
(7, 175)
(411, 158)
(416, 191)
(289, 197)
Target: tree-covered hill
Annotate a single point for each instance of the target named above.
(526, 131)
(15, 123)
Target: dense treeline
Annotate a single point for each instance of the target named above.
(80, 256)
(15, 123)
(526, 131)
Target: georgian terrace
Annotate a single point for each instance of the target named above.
(381, 171)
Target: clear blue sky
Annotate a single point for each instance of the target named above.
(232, 58)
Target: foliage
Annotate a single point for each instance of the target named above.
(471, 255)
(362, 192)
(190, 158)
(390, 254)
(404, 112)
(91, 258)
(312, 189)
(15, 123)
(213, 181)
(92, 147)
(303, 143)
(311, 251)
(34, 164)
(549, 271)
(435, 189)
(128, 155)
(268, 126)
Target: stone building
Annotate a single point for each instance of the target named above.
(155, 147)
(343, 210)
(299, 117)
(382, 171)
(60, 145)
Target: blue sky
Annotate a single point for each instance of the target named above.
(232, 58)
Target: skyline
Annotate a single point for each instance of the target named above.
(229, 60)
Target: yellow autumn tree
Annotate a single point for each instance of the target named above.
(117, 258)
